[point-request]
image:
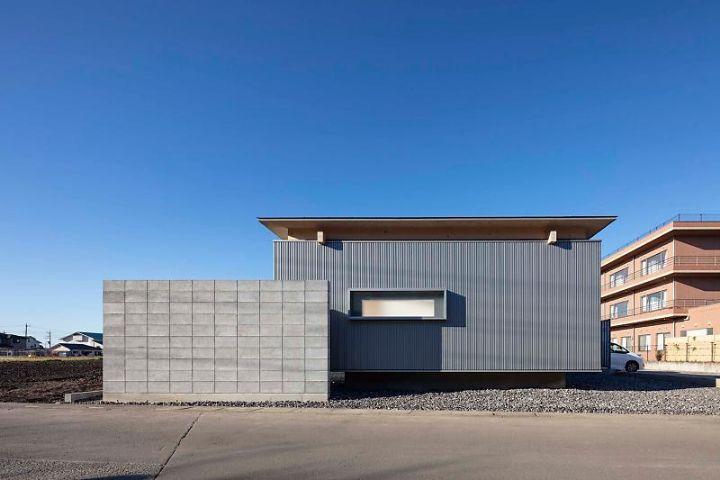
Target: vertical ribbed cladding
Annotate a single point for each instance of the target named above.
(605, 343)
(513, 305)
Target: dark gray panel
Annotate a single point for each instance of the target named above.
(512, 305)
(605, 343)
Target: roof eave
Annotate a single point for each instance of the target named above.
(281, 226)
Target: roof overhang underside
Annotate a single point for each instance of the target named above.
(435, 228)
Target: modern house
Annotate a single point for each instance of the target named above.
(664, 284)
(413, 297)
(398, 302)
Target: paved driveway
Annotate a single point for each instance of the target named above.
(139, 442)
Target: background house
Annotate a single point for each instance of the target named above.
(79, 344)
(75, 350)
(92, 339)
(19, 345)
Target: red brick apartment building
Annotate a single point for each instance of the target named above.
(664, 284)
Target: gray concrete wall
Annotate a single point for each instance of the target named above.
(221, 340)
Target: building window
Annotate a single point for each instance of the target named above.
(619, 278)
(653, 264)
(654, 301)
(398, 304)
(644, 343)
(619, 310)
(661, 337)
(626, 343)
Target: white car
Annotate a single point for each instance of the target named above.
(625, 360)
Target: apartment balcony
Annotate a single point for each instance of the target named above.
(667, 309)
(671, 266)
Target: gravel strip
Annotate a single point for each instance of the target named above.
(28, 469)
(586, 393)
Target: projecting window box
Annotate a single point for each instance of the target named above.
(397, 304)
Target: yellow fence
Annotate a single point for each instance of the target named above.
(705, 348)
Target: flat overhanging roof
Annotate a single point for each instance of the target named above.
(435, 228)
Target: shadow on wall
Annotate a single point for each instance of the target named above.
(456, 310)
(564, 245)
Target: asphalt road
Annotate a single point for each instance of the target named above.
(81, 441)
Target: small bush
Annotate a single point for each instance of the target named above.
(659, 355)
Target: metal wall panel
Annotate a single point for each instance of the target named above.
(512, 305)
(605, 343)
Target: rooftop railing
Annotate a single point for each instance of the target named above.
(681, 217)
(679, 261)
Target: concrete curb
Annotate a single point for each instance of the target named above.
(80, 396)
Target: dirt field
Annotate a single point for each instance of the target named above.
(42, 380)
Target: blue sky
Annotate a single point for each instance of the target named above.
(141, 139)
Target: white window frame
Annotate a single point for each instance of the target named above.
(653, 263)
(697, 332)
(619, 278)
(649, 305)
(647, 342)
(388, 303)
(614, 309)
(661, 338)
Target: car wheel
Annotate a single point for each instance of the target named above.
(632, 366)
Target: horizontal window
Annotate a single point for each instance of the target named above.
(398, 304)
(699, 332)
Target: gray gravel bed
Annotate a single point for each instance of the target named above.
(585, 393)
(27, 469)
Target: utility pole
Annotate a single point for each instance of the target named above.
(49, 338)
(26, 338)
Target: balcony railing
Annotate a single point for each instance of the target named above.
(700, 262)
(682, 217)
(678, 304)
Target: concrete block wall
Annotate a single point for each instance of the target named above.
(215, 340)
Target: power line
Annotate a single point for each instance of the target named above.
(28, 326)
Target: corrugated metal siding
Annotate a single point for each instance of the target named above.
(513, 305)
(605, 343)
